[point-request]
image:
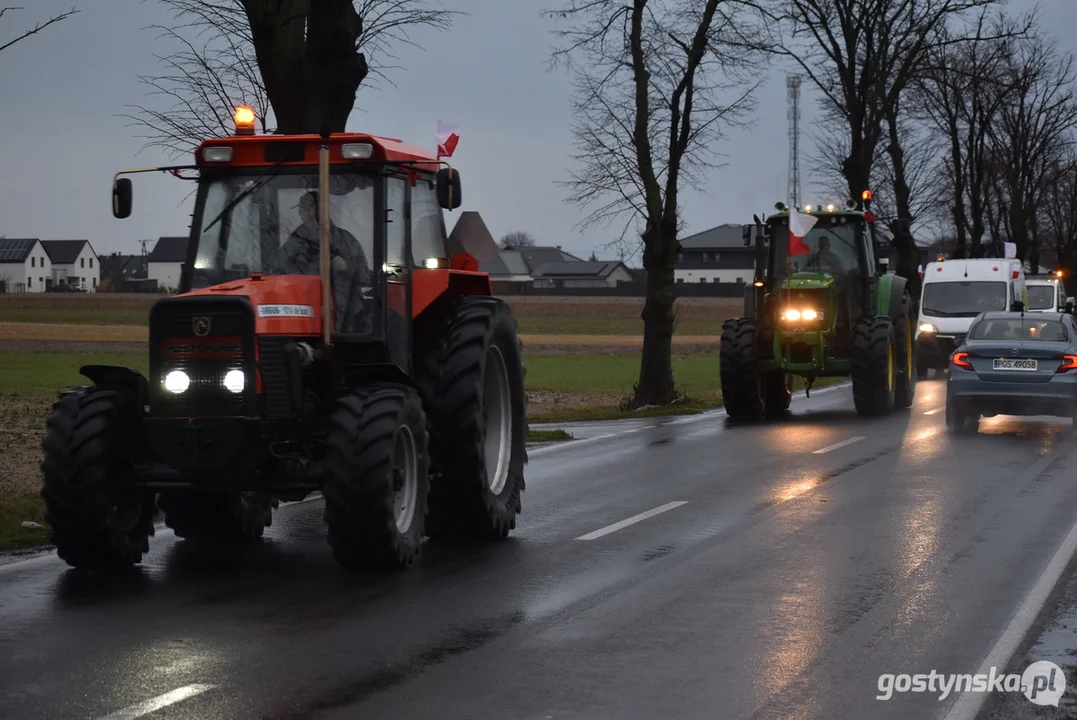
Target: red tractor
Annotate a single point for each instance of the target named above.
(328, 337)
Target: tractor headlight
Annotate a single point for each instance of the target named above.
(177, 382)
(809, 314)
(799, 314)
(792, 314)
(234, 380)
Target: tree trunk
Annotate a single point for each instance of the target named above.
(655, 386)
(307, 58)
(908, 265)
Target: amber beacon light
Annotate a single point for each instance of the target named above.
(244, 120)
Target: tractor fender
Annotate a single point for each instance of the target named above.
(120, 378)
(889, 291)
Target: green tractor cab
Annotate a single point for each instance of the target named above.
(833, 309)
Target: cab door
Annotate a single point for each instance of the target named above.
(397, 272)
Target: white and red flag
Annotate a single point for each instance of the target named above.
(448, 137)
(799, 225)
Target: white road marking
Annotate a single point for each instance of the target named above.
(161, 701)
(932, 412)
(632, 520)
(968, 704)
(837, 445)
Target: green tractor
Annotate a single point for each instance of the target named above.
(831, 310)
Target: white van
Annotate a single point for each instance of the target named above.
(956, 291)
(1045, 295)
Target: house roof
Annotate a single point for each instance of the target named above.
(724, 237)
(543, 254)
(514, 262)
(126, 265)
(16, 250)
(578, 269)
(64, 252)
(169, 250)
(471, 235)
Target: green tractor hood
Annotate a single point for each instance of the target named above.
(809, 281)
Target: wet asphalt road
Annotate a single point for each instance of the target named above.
(796, 570)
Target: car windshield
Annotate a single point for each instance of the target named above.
(833, 248)
(1041, 297)
(1019, 329)
(268, 224)
(963, 299)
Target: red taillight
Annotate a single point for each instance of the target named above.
(1069, 362)
(961, 360)
(1016, 274)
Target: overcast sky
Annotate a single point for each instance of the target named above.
(61, 93)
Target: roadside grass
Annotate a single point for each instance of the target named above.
(15, 509)
(547, 435)
(597, 325)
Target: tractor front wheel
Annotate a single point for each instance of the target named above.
(874, 366)
(906, 355)
(376, 477)
(777, 394)
(479, 423)
(742, 385)
(217, 516)
(96, 521)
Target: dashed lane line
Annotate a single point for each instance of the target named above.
(837, 445)
(157, 703)
(632, 520)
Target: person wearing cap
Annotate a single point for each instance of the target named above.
(300, 252)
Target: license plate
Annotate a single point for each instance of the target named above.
(1016, 364)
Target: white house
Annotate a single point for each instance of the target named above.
(24, 265)
(74, 262)
(715, 255)
(165, 262)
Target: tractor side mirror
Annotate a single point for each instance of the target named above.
(883, 266)
(449, 188)
(121, 198)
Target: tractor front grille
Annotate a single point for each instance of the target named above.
(205, 339)
(277, 383)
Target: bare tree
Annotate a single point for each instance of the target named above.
(516, 240)
(298, 61)
(657, 83)
(1059, 204)
(863, 55)
(36, 28)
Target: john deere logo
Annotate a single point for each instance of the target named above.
(201, 326)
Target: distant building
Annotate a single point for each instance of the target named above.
(715, 255)
(582, 274)
(125, 273)
(513, 271)
(74, 262)
(165, 262)
(24, 265)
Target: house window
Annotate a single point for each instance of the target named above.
(680, 281)
(82, 262)
(706, 258)
(29, 282)
(680, 258)
(33, 262)
(703, 279)
(91, 262)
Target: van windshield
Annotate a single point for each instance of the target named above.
(1041, 297)
(963, 299)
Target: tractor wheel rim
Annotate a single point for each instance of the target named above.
(908, 350)
(405, 478)
(889, 367)
(497, 411)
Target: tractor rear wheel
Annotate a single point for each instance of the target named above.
(478, 410)
(220, 516)
(906, 350)
(742, 385)
(874, 366)
(376, 477)
(95, 521)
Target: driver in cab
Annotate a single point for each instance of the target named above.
(825, 259)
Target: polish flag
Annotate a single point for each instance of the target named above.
(448, 137)
(799, 225)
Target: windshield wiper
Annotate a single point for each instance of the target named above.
(235, 201)
(937, 313)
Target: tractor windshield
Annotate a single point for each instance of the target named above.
(834, 248)
(269, 224)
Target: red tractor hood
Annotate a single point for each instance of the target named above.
(283, 304)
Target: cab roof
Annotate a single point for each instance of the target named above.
(972, 268)
(297, 150)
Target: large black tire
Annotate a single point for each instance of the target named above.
(217, 516)
(874, 366)
(476, 388)
(90, 442)
(905, 349)
(377, 448)
(742, 385)
(922, 369)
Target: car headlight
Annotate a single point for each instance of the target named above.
(234, 381)
(928, 328)
(177, 382)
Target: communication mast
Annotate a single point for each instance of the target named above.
(792, 86)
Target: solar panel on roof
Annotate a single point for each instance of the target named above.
(13, 250)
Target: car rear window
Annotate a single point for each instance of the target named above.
(1019, 329)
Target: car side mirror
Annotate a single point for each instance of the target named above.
(121, 198)
(449, 188)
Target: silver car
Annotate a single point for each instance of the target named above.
(1013, 364)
